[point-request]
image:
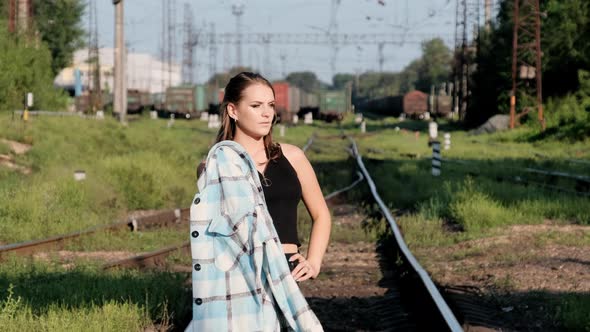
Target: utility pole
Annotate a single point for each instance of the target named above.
(267, 61)
(283, 58)
(120, 88)
(163, 46)
(381, 56)
(94, 84)
(213, 97)
(20, 13)
(238, 11)
(171, 40)
(467, 15)
(190, 41)
(488, 14)
(332, 31)
(526, 59)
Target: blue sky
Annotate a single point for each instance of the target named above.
(421, 17)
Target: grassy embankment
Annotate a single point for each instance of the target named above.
(145, 166)
(142, 167)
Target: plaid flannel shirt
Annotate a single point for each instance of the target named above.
(241, 280)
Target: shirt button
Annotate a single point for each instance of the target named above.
(195, 234)
(254, 214)
(197, 200)
(198, 301)
(197, 267)
(259, 189)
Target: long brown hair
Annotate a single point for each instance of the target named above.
(233, 94)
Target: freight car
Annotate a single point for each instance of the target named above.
(334, 104)
(415, 104)
(390, 105)
(288, 101)
(82, 102)
(443, 105)
(309, 103)
(184, 102)
(137, 101)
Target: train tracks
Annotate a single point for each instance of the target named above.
(386, 288)
(158, 220)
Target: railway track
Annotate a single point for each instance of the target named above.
(162, 219)
(403, 296)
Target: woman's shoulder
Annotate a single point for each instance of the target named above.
(292, 151)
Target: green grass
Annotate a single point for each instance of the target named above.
(143, 166)
(44, 296)
(142, 241)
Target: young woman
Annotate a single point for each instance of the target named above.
(255, 183)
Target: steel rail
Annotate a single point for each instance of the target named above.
(161, 219)
(445, 311)
(149, 259)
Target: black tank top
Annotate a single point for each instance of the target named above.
(282, 192)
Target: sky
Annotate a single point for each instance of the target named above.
(415, 19)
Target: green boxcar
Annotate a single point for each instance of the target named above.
(334, 103)
(201, 98)
(186, 101)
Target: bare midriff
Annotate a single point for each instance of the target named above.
(290, 248)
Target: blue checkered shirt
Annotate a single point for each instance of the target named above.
(241, 280)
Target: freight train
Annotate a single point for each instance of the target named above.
(327, 105)
(187, 101)
(137, 102)
(414, 104)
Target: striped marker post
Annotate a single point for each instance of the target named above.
(436, 159)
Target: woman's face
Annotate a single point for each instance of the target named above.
(255, 112)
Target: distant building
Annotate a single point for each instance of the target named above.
(144, 72)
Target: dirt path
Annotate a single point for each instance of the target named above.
(348, 288)
(524, 270)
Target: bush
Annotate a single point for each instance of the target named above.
(26, 67)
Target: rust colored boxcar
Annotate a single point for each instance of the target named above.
(281, 96)
(282, 101)
(415, 103)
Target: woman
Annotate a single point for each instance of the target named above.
(247, 201)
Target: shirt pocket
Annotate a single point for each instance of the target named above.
(231, 240)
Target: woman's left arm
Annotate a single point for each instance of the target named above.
(318, 210)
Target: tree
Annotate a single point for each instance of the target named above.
(25, 67)
(60, 26)
(339, 80)
(221, 79)
(305, 80)
(435, 65)
(409, 76)
(565, 42)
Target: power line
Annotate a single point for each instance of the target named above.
(340, 39)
